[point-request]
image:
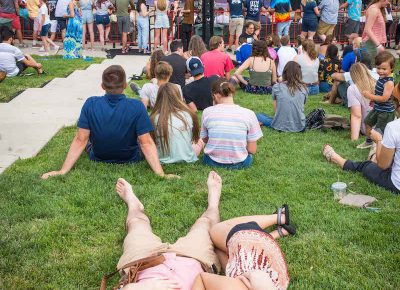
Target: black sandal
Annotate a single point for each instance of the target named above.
(289, 228)
(136, 78)
(283, 210)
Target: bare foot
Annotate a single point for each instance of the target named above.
(125, 192)
(214, 184)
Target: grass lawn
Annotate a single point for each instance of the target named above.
(66, 232)
(54, 66)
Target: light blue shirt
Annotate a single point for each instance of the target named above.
(354, 9)
(329, 11)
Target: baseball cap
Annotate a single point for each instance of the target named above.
(195, 66)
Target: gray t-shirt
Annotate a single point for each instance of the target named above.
(9, 55)
(289, 116)
(329, 11)
(7, 6)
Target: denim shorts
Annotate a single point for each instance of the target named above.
(264, 119)
(309, 25)
(162, 21)
(103, 19)
(45, 30)
(313, 89)
(324, 87)
(87, 16)
(244, 164)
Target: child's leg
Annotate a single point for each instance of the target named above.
(45, 43)
(220, 231)
(84, 36)
(100, 28)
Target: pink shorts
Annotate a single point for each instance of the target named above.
(16, 24)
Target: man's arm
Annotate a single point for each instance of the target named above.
(338, 77)
(149, 150)
(387, 93)
(75, 150)
(16, 5)
(344, 5)
(252, 147)
(355, 122)
(192, 107)
(384, 156)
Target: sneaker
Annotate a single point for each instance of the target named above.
(36, 45)
(135, 88)
(365, 145)
(41, 49)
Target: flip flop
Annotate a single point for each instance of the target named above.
(283, 210)
(136, 77)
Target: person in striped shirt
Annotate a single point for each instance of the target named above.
(383, 111)
(229, 131)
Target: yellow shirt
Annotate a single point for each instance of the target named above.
(33, 8)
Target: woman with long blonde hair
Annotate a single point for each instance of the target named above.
(161, 24)
(359, 106)
(374, 35)
(176, 127)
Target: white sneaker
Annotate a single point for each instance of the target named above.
(41, 49)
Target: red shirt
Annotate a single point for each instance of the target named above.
(216, 63)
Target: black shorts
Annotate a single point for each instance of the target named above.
(62, 23)
(21, 67)
(243, 227)
(351, 26)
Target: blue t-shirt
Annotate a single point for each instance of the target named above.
(253, 8)
(115, 123)
(308, 10)
(354, 9)
(244, 52)
(348, 60)
(387, 106)
(235, 8)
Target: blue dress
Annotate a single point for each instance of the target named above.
(73, 36)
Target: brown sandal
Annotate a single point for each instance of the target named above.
(328, 151)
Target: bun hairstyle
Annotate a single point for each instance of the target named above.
(223, 87)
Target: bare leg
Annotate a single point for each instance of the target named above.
(100, 28)
(165, 39)
(334, 157)
(91, 35)
(84, 36)
(311, 35)
(52, 36)
(222, 257)
(303, 34)
(322, 37)
(157, 34)
(207, 281)
(45, 44)
(220, 231)
(108, 28)
(19, 36)
(368, 130)
(63, 32)
(230, 42)
(124, 41)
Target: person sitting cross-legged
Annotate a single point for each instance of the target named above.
(12, 61)
(113, 128)
(144, 251)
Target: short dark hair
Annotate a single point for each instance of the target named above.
(114, 79)
(248, 23)
(332, 51)
(385, 56)
(175, 45)
(242, 39)
(285, 40)
(6, 33)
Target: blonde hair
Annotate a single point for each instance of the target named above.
(357, 42)
(162, 5)
(362, 78)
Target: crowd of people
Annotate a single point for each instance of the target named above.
(189, 78)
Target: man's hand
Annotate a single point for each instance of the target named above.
(376, 136)
(53, 173)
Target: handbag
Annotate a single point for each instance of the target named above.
(113, 18)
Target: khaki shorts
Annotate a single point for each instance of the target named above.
(141, 242)
(236, 26)
(325, 28)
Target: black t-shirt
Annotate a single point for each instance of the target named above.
(178, 64)
(199, 92)
(249, 37)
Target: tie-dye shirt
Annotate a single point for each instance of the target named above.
(282, 10)
(229, 128)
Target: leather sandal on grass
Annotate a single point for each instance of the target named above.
(328, 151)
(282, 210)
(289, 228)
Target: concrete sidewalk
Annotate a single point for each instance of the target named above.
(31, 119)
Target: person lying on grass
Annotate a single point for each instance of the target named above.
(176, 127)
(113, 128)
(289, 98)
(12, 60)
(229, 131)
(386, 172)
(251, 257)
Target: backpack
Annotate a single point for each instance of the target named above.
(315, 119)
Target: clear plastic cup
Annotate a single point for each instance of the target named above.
(339, 190)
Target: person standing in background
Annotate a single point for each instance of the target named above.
(187, 24)
(236, 22)
(282, 9)
(33, 12)
(123, 20)
(354, 12)
(143, 26)
(51, 5)
(103, 20)
(254, 9)
(329, 16)
(10, 9)
(61, 16)
(87, 20)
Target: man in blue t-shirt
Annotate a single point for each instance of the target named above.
(254, 9)
(236, 22)
(113, 128)
(354, 12)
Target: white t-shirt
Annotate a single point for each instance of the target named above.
(150, 90)
(285, 54)
(44, 11)
(391, 140)
(9, 55)
(61, 8)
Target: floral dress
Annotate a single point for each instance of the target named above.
(73, 36)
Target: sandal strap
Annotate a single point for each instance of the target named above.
(279, 216)
(280, 232)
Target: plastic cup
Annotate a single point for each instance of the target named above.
(339, 190)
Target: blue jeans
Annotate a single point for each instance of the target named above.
(143, 32)
(244, 164)
(283, 28)
(264, 119)
(324, 87)
(313, 89)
